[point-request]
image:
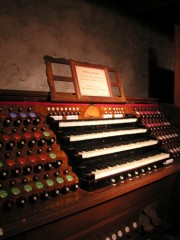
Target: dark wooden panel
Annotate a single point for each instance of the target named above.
(97, 220)
(93, 209)
(21, 95)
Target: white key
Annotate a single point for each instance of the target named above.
(89, 136)
(99, 152)
(129, 166)
(96, 122)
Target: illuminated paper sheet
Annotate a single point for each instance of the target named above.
(92, 81)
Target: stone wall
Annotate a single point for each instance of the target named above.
(80, 30)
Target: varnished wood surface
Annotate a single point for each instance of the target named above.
(30, 217)
(23, 95)
(82, 215)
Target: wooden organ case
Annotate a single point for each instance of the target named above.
(87, 165)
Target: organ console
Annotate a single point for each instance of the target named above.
(85, 170)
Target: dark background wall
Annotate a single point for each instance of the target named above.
(84, 31)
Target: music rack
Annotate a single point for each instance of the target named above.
(77, 81)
